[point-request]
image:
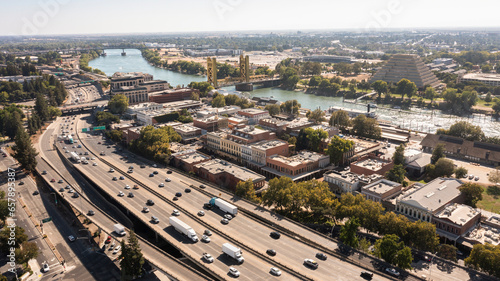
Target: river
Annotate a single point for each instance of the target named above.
(416, 119)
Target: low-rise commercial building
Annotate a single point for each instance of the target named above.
(227, 175)
(371, 164)
(273, 124)
(425, 201)
(187, 132)
(211, 124)
(253, 115)
(454, 220)
(165, 96)
(381, 190)
(208, 111)
(255, 155)
(187, 159)
(135, 94)
(347, 182)
(491, 79)
(305, 165)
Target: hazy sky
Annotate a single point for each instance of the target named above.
(37, 17)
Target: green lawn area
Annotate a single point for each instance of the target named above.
(491, 200)
(483, 103)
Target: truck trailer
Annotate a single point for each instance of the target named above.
(233, 251)
(224, 206)
(183, 228)
(75, 157)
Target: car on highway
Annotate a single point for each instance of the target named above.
(187, 190)
(201, 213)
(79, 146)
(275, 235)
(392, 271)
(44, 172)
(75, 195)
(60, 181)
(91, 213)
(71, 190)
(271, 252)
(154, 166)
(150, 202)
(202, 186)
(108, 240)
(207, 206)
(68, 186)
(151, 175)
(224, 221)
(207, 232)
(178, 194)
(311, 263)
(36, 192)
(94, 164)
(46, 267)
(121, 194)
(131, 167)
(111, 170)
(61, 189)
(102, 153)
(176, 213)
(154, 219)
(175, 198)
(321, 256)
(122, 177)
(161, 185)
(155, 172)
(228, 217)
(208, 258)
(71, 238)
(167, 179)
(367, 275)
(143, 166)
(145, 210)
(234, 272)
(131, 195)
(275, 271)
(205, 239)
(127, 186)
(135, 186)
(130, 171)
(21, 183)
(115, 178)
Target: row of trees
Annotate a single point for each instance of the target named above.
(361, 125)
(485, 257)
(232, 99)
(46, 85)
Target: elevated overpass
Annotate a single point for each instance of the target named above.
(82, 107)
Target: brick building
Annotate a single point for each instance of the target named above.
(186, 160)
(370, 164)
(253, 115)
(211, 124)
(305, 165)
(456, 220)
(172, 95)
(381, 190)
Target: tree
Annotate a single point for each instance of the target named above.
(219, 101)
(118, 104)
(494, 176)
(448, 252)
(472, 192)
(4, 210)
(396, 174)
(406, 87)
(364, 245)
(437, 153)
(317, 116)
(380, 87)
(54, 112)
(337, 148)
(131, 257)
(399, 155)
(366, 127)
(348, 233)
(42, 107)
(115, 135)
(460, 172)
(12, 124)
(106, 118)
(245, 189)
(422, 236)
(485, 257)
(276, 194)
(488, 98)
(392, 251)
(27, 251)
(465, 130)
(496, 106)
(430, 93)
(314, 81)
(340, 119)
(290, 107)
(443, 168)
(310, 139)
(24, 152)
(20, 237)
(273, 109)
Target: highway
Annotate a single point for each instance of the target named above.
(243, 228)
(167, 264)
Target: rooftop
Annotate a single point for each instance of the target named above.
(482, 76)
(457, 213)
(381, 186)
(217, 166)
(185, 128)
(191, 156)
(268, 144)
(434, 194)
(371, 163)
(302, 157)
(353, 177)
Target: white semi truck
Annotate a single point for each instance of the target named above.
(233, 251)
(183, 228)
(75, 157)
(119, 229)
(224, 206)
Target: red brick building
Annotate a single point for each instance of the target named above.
(371, 164)
(172, 95)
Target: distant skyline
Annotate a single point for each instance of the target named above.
(49, 17)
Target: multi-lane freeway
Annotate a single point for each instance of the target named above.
(246, 231)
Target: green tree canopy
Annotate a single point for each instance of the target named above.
(366, 127)
(219, 101)
(337, 148)
(437, 153)
(27, 251)
(396, 174)
(118, 104)
(472, 192)
(340, 119)
(348, 232)
(406, 87)
(317, 116)
(392, 251)
(273, 109)
(460, 172)
(24, 152)
(131, 257)
(380, 87)
(399, 155)
(245, 189)
(485, 257)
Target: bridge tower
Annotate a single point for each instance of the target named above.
(245, 68)
(212, 71)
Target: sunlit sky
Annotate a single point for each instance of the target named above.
(39, 17)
